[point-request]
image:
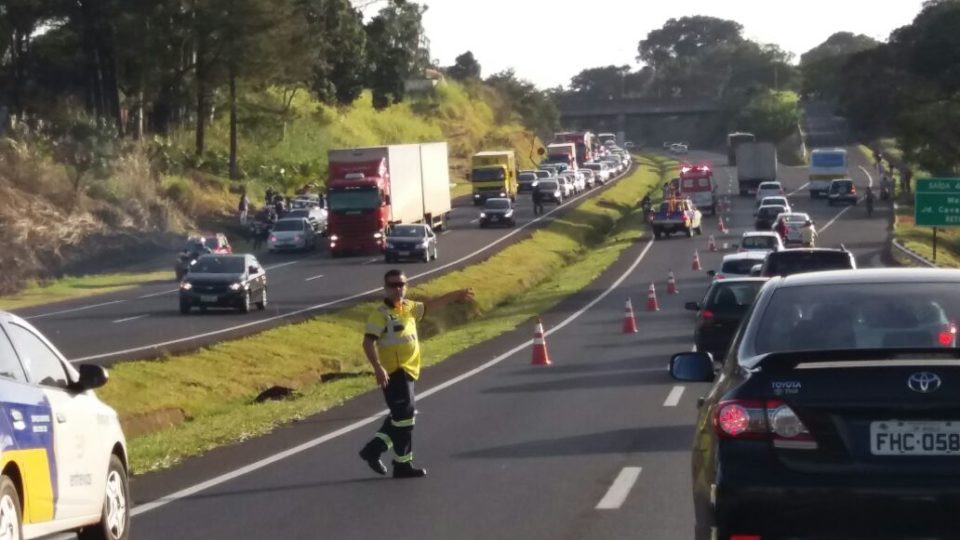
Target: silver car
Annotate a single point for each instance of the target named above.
(292, 234)
(416, 241)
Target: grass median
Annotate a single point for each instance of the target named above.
(71, 288)
(201, 400)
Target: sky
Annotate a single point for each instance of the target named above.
(548, 42)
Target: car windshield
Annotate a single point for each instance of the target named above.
(497, 204)
(796, 218)
(770, 211)
(785, 263)
(527, 177)
(858, 316)
(739, 266)
(548, 185)
(353, 199)
(486, 175)
(593, 166)
(409, 231)
(218, 265)
(735, 297)
(759, 242)
(288, 225)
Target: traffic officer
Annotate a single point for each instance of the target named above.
(393, 350)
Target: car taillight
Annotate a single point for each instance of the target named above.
(853, 190)
(948, 336)
(273, 238)
(707, 314)
(720, 276)
(771, 420)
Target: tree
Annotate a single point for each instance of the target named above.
(601, 82)
(822, 65)
(535, 109)
(338, 47)
(464, 67)
(771, 115)
(397, 50)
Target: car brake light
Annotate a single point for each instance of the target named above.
(948, 337)
(740, 419)
(773, 420)
(273, 238)
(707, 314)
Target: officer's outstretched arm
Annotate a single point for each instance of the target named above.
(435, 304)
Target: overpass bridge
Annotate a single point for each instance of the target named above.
(644, 119)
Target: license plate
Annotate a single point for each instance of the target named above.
(208, 298)
(403, 253)
(494, 218)
(895, 438)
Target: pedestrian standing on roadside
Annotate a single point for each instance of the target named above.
(392, 347)
(537, 196)
(243, 207)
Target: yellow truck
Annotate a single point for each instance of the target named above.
(494, 174)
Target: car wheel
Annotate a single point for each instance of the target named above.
(436, 253)
(262, 304)
(184, 308)
(11, 517)
(115, 519)
(246, 306)
(689, 231)
(426, 256)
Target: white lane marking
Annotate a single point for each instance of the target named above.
(474, 221)
(869, 176)
(371, 261)
(446, 232)
(673, 398)
(314, 277)
(836, 217)
(617, 494)
(801, 188)
(128, 319)
(171, 291)
(280, 456)
(545, 217)
(279, 265)
(74, 310)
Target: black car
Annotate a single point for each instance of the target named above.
(837, 413)
(720, 312)
(842, 191)
(795, 261)
(550, 191)
(525, 180)
(497, 212)
(766, 215)
(224, 281)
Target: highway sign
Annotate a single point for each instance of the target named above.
(937, 202)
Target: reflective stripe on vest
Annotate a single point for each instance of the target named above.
(403, 423)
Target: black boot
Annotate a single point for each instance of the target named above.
(371, 454)
(407, 470)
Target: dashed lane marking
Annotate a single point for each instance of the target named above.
(620, 489)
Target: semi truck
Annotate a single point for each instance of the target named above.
(756, 163)
(371, 189)
(733, 141)
(494, 174)
(584, 144)
(565, 153)
(826, 165)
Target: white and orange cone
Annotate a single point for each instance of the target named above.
(696, 267)
(712, 244)
(629, 321)
(540, 355)
(721, 226)
(652, 304)
(672, 284)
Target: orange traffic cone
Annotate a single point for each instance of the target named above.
(540, 355)
(721, 226)
(696, 262)
(671, 284)
(629, 321)
(712, 244)
(652, 304)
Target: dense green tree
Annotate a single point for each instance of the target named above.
(397, 50)
(465, 67)
(535, 109)
(822, 66)
(338, 45)
(601, 82)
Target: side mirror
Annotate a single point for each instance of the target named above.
(91, 376)
(692, 367)
(711, 273)
(691, 306)
(755, 270)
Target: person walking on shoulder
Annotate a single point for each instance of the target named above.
(392, 347)
(243, 207)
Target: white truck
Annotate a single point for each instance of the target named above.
(369, 189)
(756, 163)
(826, 165)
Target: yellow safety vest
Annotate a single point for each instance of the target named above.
(396, 331)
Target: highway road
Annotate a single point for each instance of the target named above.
(145, 321)
(594, 446)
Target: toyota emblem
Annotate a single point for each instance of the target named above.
(924, 382)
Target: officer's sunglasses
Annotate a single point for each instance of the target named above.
(397, 284)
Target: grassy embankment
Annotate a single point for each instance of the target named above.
(917, 239)
(208, 395)
(286, 146)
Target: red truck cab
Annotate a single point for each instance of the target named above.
(358, 198)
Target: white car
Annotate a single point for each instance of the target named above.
(589, 177)
(794, 221)
(566, 185)
(777, 200)
(64, 454)
(769, 189)
(292, 234)
(737, 265)
(760, 241)
(579, 184)
(678, 148)
(601, 170)
(614, 163)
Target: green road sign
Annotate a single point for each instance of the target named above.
(937, 202)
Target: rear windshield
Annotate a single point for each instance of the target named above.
(732, 297)
(593, 166)
(407, 230)
(785, 263)
(770, 211)
(543, 174)
(289, 225)
(527, 177)
(767, 186)
(548, 186)
(857, 316)
(218, 265)
(298, 214)
(759, 242)
(497, 204)
(739, 266)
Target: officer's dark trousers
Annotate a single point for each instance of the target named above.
(397, 428)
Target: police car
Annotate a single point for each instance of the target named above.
(63, 455)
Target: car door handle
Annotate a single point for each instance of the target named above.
(61, 418)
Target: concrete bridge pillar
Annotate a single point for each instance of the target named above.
(621, 128)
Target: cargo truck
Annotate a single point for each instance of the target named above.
(756, 163)
(565, 153)
(493, 175)
(733, 141)
(370, 189)
(584, 143)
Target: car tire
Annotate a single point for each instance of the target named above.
(115, 519)
(246, 306)
(262, 304)
(436, 253)
(426, 256)
(184, 308)
(11, 510)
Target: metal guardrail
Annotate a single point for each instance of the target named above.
(923, 261)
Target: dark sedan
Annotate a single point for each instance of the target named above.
(720, 312)
(837, 413)
(224, 281)
(497, 212)
(767, 215)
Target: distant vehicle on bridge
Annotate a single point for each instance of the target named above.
(734, 139)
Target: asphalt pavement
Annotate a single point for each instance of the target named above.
(145, 321)
(594, 446)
